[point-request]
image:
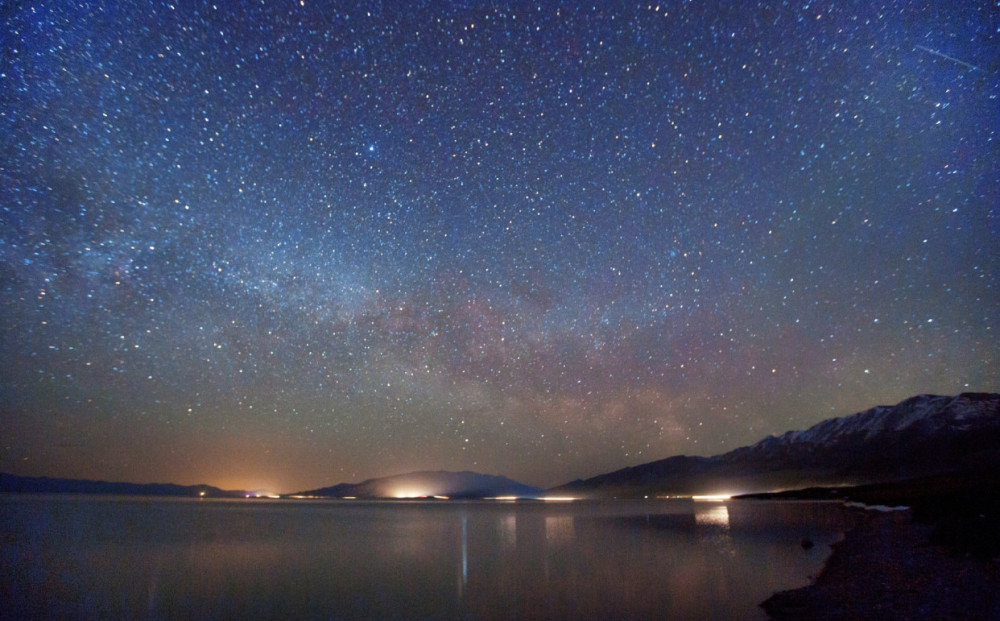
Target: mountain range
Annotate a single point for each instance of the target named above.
(922, 436)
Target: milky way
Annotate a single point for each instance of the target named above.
(287, 244)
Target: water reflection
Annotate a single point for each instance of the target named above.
(465, 552)
(508, 530)
(559, 530)
(717, 515)
(127, 558)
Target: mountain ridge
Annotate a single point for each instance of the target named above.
(920, 436)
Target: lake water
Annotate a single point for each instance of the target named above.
(98, 557)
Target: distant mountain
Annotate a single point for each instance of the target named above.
(922, 436)
(425, 484)
(10, 483)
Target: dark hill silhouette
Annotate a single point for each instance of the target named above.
(424, 484)
(10, 483)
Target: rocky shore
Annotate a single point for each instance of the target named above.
(888, 567)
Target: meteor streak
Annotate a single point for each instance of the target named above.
(945, 56)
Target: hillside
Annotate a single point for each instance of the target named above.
(922, 436)
(426, 484)
(10, 483)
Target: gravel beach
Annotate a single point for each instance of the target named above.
(886, 568)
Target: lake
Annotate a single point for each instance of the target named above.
(84, 557)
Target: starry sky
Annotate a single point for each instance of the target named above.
(281, 244)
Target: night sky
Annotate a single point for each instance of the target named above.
(279, 245)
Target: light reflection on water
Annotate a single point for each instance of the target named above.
(85, 557)
(714, 515)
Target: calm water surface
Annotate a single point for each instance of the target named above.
(90, 558)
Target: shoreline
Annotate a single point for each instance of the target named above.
(887, 567)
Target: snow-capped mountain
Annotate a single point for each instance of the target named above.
(927, 414)
(921, 436)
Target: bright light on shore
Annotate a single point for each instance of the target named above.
(404, 494)
(558, 498)
(711, 497)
